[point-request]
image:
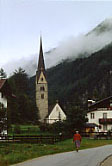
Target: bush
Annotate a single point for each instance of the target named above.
(17, 129)
(3, 162)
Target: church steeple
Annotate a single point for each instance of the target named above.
(41, 65)
(41, 86)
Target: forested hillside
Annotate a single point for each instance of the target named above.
(76, 81)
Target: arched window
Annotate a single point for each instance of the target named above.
(42, 96)
(42, 88)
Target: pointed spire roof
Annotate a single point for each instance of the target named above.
(41, 65)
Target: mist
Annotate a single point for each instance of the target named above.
(71, 48)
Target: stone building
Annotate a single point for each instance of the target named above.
(41, 87)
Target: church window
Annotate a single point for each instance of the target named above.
(42, 88)
(42, 96)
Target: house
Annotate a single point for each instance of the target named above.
(5, 92)
(56, 114)
(100, 114)
(3, 98)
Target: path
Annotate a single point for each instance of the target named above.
(107, 162)
(88, 157)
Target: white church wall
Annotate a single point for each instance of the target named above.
(56, 114)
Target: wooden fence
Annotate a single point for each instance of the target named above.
(39, 139)
(51, 139)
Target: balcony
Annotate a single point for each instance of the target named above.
(105, 121)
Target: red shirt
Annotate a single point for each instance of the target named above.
(77, 137)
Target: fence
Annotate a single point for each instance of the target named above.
(39, 139)
(51, 139)
(97, 135)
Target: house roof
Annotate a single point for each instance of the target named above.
(41, 64)
(104, 103)
(91, 125)
(2, 82)
(5, 88)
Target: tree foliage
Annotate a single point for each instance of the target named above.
(22, 109)
(76, 119)
(2, 73)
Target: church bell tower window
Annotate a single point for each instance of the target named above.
(42, 96)
(42, 88)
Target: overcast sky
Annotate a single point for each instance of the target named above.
(22, 21)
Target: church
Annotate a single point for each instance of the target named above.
(45, 115)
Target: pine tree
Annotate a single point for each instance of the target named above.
(2, 73)
(22, 109)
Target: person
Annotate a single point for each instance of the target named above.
(77, 140)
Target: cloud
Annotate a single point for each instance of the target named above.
(71, 48)
(82, 46)
(29, 64)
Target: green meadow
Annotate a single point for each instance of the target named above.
(11, 153)
(26, 130)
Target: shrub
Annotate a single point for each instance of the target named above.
(17, 129)
(3, 162)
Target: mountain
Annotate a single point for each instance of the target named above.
(86, 75)
(103, 27)
(82, 45)
(76, 81)
(71, 48)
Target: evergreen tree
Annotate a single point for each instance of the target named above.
(76, 118)
(19, 80)
(22, 109)
(2, 73)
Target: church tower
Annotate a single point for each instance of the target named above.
(41, 87)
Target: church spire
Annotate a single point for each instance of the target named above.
(41, 86)
(41, 65)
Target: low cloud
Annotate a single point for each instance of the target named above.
(71, 48)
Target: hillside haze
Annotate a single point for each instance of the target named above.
(87, 75)
(82, 45)
(71, 48)
(81, 79)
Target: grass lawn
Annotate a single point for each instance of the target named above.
(27, 130)
(13, 153)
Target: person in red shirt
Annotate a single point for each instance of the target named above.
(77, 140)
